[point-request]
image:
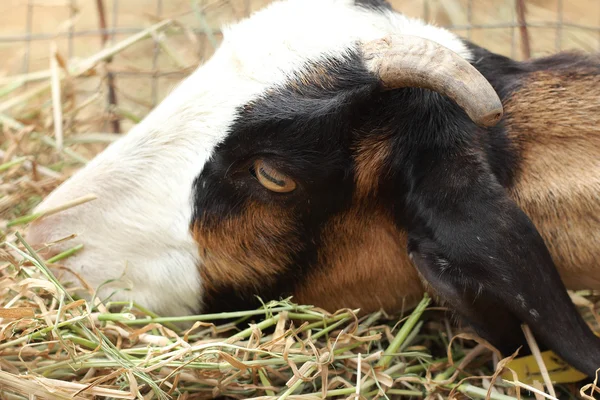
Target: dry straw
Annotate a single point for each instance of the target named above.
(56, 345)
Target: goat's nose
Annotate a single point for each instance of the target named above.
(39, 236)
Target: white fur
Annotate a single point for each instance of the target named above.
(137, 229)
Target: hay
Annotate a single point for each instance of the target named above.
(54, 345)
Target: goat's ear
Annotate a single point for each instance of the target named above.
(482, 255)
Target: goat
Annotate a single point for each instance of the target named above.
(355, 164)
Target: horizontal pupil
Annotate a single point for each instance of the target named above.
(270, 178)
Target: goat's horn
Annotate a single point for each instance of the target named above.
(411, 61)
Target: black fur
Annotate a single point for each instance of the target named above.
(447, 187)
(374, 4)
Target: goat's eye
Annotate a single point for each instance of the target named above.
(272, 179)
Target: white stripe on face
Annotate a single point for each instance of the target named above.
(137, 231)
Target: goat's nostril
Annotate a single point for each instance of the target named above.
(47, 252)
(38, 236)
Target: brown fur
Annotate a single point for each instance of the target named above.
(362, 261)
(246, 250)
(371, 156)
(555, 122)
(319, 76)
(362, 264)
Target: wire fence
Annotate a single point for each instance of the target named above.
(107, 31)
(516, 28)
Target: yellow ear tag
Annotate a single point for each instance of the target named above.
(527, 369)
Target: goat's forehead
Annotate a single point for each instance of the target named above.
(257, 54)
(276, 41)
(274, 46)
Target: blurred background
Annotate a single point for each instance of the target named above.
(76, 74)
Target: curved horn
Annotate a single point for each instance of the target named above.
(411, 61)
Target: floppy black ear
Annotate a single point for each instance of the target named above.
(481, 254)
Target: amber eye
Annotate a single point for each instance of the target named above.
(272, 179)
